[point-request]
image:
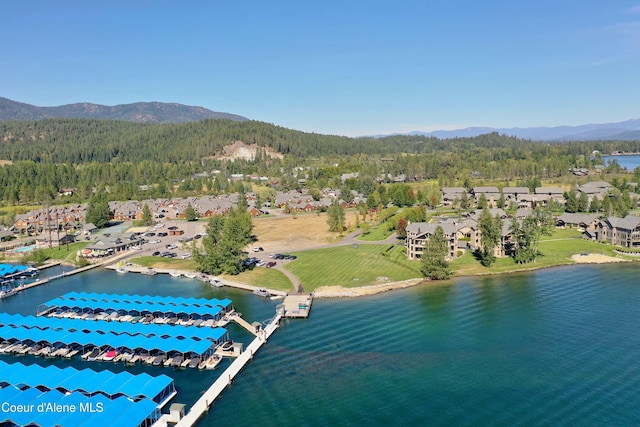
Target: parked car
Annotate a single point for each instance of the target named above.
(185, 256)
(163, 234)
(156, 253)
(271, 264)
(258, 249)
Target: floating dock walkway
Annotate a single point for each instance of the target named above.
(212, 393)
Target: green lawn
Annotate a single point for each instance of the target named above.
(556, 250)
(62, 253)
(350, 267)
(376, 233)
(264, 277)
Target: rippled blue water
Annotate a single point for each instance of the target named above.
(553, 347)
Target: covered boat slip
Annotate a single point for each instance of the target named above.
(185, 346)
(149, 299)
(216, 335)
(133, 308)
(89, 382)
(52, 408)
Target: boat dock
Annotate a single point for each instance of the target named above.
(206, 400)
(297, 305)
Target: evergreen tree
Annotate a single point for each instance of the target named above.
(528, 234)
(98, 212)
(223, 244)
(595, 205)
(433, 262)
(190, 213)
(572, 202)
(482, 201)
(336, 218)
(583, 202)
(490, 234)
(147, 217)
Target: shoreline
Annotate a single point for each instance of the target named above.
(362, 291)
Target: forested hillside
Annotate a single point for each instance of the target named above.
(134, 160)
(83, 140)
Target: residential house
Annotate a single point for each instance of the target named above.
(418, 233)
(623, 232)
(449, 194)
(514, 193)
(492, 194)
(582, 222)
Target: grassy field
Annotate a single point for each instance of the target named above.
(556, 250)
(264, 277)
(54, 253)
(379, 232)
(349, 267)
(289, 233)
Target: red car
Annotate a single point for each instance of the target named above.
(271, 264)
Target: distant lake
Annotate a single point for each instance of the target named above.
(629, 162)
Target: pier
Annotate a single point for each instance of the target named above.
(57, 276)
(297, 305)
(206, 400)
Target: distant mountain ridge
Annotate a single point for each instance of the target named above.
(141, 112)
(624, 131)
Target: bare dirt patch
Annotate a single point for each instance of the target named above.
(240, 150)
(282, 234)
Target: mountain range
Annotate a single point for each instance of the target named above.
(622, 131)
(142, 112)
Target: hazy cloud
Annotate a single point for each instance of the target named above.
(634, 9)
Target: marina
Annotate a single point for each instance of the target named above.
(124, 398)
(135, 330)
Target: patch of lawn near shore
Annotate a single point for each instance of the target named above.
(349, 267)
(269, 278)
(556, 250)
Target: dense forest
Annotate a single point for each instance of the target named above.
(134, 160)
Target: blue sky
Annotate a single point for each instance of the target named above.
(335, 67)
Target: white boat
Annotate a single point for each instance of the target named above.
(212, 362)
(7, 292)
(262, 292)
(121, 270)
(149, 272)
(216, 282)
(190, 275)
(175, 274)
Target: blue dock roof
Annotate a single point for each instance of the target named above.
(149, 299)
(201, 307)
(117, 328)
(137, 342)
(117, 412)
(88, 381)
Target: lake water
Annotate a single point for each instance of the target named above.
(629, 162)
(554, 347)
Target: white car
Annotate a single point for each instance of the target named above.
(155, 241)
(159, 225)
(185, 256)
